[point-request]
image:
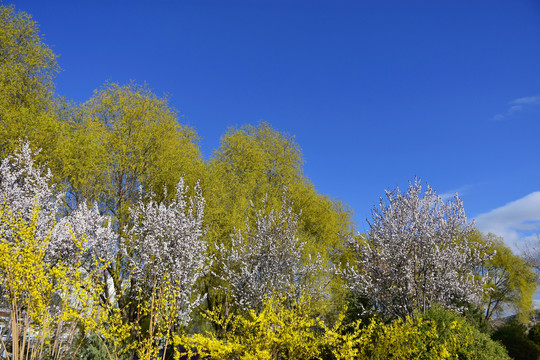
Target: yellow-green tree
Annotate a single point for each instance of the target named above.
(27, 69)
(125, 137)
(511, 281)
(256, 164)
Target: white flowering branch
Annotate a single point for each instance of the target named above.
(268, 258)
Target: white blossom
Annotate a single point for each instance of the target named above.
(92, 230)
(167, 242)
(268, 259)
(416, 254)
(25, 187)
(164, 241)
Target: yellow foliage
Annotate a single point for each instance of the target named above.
(276, 331)
(31, 286)
(279, 332)
(27, 103)
(161, 311)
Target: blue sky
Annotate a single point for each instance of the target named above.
(375, 92)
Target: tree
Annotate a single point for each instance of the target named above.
(511, 282)
(124, 138)
(416, 254)
(125, 144)
(161, 255)
(167, 258)
(26, 186)
(268, 260)
(531, 254)
(253, 164)
(168, 247)
(47, 265)
(27, 69)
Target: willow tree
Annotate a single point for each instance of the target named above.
(511, 281)
(256, 164)
(125, 137)
(28, 108)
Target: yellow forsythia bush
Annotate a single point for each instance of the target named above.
(47, 302)
(276, 332)
(280, 332)
(439, 334)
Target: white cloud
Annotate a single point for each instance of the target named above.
(519, 105)
(450, 194)
(528, 100)
(515, 109)
(517, 222)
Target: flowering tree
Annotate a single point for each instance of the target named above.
(268, 259)
(168, 244)
(24, 186)
(96, 237)
(416, 254)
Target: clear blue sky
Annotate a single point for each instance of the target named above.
(375, 92)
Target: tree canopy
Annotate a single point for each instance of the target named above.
(125, 138)
(511, 281)
(28, 107)
(258, 162)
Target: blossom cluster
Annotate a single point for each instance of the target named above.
(168, 243)
(268, 258)
(416, 254)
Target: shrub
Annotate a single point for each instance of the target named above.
(275, 332)
(534, 334)
(438, 334)
(512, 336)
(279, 332)
(471, 343)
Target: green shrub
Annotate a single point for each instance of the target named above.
(512, 336)
(436, 335)
(473, 344)
(534, 334)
